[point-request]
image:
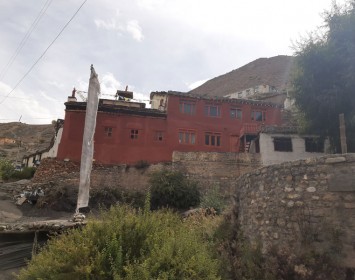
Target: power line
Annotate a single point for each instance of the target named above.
(45, 51)
(25, 38)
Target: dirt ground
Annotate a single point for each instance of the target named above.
(12, 213)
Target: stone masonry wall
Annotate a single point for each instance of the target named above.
(68, 173)
(293, 203)
(215, 169)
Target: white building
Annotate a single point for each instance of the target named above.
(281, 144)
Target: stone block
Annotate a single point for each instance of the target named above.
(349, 205)
(335, 160)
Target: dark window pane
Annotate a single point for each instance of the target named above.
(213, 142)
(283, 144)
(207, 139)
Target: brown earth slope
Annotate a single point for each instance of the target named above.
(18, 139)
(274, 71)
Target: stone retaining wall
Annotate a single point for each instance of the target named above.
(294, 203)
(215, 169)
(122, 176)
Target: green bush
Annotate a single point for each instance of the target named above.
(126, 244)
(6, 169)
(106, 197)
(213, 199)
(172, 189)
(25, 173)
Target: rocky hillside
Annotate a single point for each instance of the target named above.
(274, 71)
(18, 139)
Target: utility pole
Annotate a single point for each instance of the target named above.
(344, 148)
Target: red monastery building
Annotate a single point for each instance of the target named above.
(127, 132)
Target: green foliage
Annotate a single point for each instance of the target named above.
(8, 172)
(324, 77)
(105, 197)
(25, 173)
(213, 199)
(6, 169)
(126, 244)
(172, 189)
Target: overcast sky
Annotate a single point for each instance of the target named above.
(148, 45)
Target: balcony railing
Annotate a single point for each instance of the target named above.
(250, 128)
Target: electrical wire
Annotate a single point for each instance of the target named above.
(25, 38)
(45, 51)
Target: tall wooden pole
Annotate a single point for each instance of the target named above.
(344, 148)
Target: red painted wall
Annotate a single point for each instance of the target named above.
(120, 147)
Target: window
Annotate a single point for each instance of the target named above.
(236, 113)
(187, 107)
(314, 145)
(158, 136)
(212, 111)
(283, 144)
(134, 133)
(258, 116)
(212, 139)
(187, 137)
(108, 131)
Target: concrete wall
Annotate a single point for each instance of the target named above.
(269, 156)
(287, 204)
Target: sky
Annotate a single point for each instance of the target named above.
(149, 45)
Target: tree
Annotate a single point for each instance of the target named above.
(324, 77)
(173, 190)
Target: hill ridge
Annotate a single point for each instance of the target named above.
(274, 71)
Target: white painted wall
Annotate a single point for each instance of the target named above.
(156, 101)
(52, 153)
(269, 156)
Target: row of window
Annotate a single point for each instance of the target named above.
(189, 108)
(312, 145)
(184, 136)
(281, 144)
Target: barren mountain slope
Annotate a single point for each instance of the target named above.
(18, 139)
(274, 71)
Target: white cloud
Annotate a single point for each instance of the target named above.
(135, 30)
(110, 24)
(131, 27)
(109, 85)
(56, 84)
(26, 107)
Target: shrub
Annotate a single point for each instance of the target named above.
(25, 173)
(6, 169)
(213, 199)
(172, 189)
(126, 244)
(106, 197)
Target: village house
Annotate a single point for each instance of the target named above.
(34, 159)
(127, 132)
(278, 144)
